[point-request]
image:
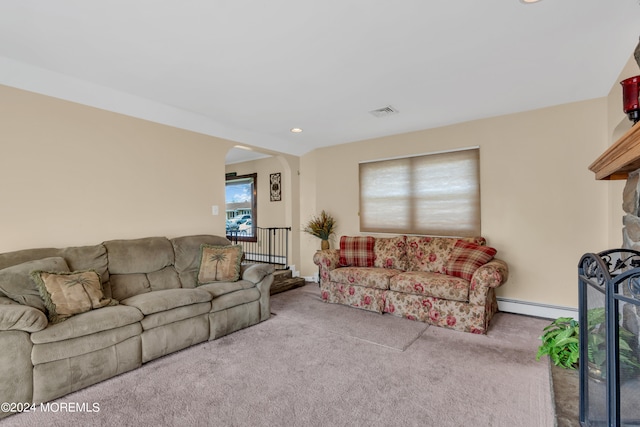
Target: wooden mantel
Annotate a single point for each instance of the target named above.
(621, 158)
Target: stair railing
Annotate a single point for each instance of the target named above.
(263, 245)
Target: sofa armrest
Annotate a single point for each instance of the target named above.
(254, 273)
(18, 317)
(262, 276)
(491, 275)
(326, 260)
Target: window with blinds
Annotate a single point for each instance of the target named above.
(434, 194)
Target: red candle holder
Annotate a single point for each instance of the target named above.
(630, 93)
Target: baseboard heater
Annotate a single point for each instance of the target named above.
(536, 309)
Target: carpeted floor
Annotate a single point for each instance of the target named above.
(304, 306)
(317, 364)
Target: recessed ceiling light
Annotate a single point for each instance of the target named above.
(529, 1)
(296, 130)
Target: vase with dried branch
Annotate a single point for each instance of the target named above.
(323, 227)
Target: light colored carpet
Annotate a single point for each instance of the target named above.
(289, 372)
(304, 305)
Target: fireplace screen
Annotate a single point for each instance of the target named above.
(609, 316)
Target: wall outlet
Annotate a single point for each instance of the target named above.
(214, 210)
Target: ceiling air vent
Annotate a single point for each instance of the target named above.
(384, 111)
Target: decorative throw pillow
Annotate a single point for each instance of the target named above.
(390, 252)
(16, 282)
(69, 293)
(467, 257)
(219, 263)
(356, 251)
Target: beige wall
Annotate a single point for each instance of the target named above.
(541, 207)
(75, 175)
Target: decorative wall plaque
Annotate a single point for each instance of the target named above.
(276, 187)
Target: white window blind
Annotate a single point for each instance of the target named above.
(435, 194)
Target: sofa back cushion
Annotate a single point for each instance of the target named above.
(16, 282)
(390, 252)
(76, 257)
(124, 286)
(187, 255)
(140, 265)
(467, 257)
(356, 251)
(432, 254)
(139, 255)
(429, 254)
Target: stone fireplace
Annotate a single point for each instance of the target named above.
(609, 303)
(631, 207)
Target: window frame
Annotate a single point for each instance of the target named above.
(254, 207)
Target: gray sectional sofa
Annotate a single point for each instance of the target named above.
(161, 308)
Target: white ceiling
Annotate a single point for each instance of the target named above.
(249, 71)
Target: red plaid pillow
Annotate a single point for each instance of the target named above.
(467, 257)
(356, 251)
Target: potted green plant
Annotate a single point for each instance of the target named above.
(560, 340)
(321, 226)
(597, 346)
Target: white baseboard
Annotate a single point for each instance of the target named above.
(536, 309)
(294, 272)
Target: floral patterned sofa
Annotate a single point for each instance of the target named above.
(443, 281)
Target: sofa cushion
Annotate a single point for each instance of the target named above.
(467, 257)
(88, 323)
(68, 293)
(16, 282)
(94, 257)
(429, 254)
(157, 301)
(369, 277)
(139, 255)
(390, 252)
(356, 251)
(124, 286)
(167, 278)
(217, 289)
(187, 255)
(174, 315)
(187, 250)
(219, 263)
(431, 284)
(234, 299)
